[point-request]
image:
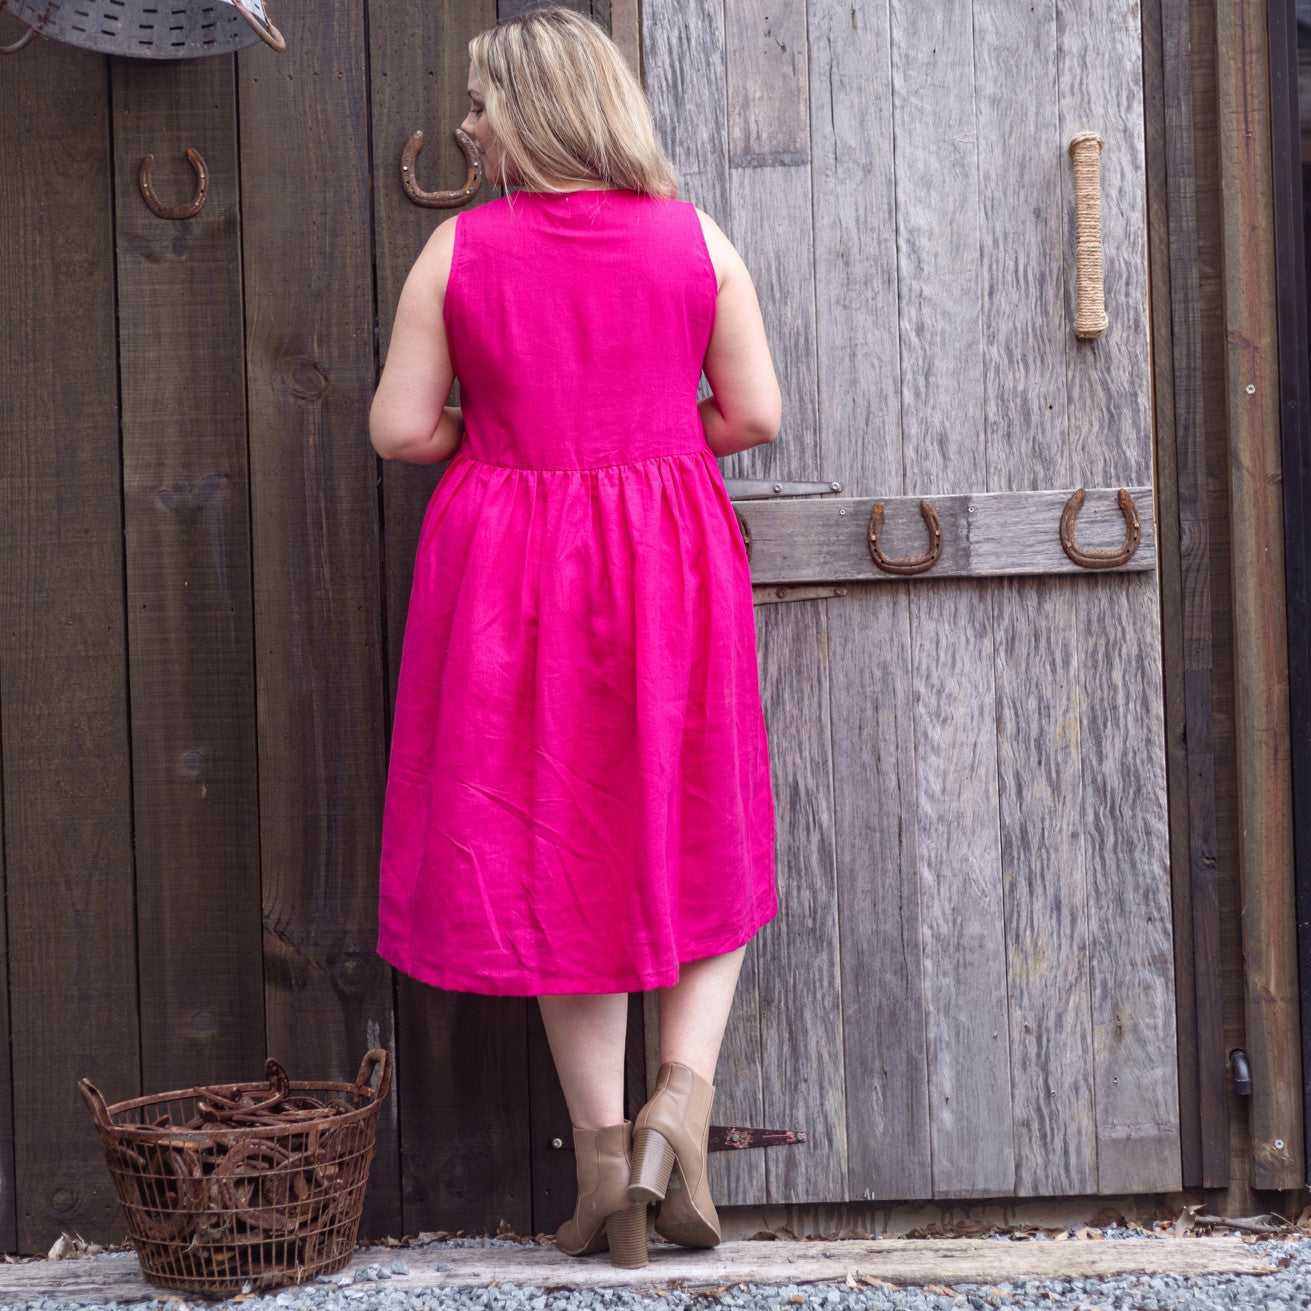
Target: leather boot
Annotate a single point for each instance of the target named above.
(605, 1215)
(670, 1136)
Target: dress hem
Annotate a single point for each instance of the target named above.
(515, 985)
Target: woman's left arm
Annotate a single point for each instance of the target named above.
(409, 419)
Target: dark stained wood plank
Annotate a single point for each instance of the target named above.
(1170, 579)
(1259, 621)
(464, 1083)
(962, 924)
(1125, 817)
(419, 77)
(187, 523)
(1181, 425)
(315, 548)
(869, 640)
(624, 27)
(1290, 237)
(63, 661)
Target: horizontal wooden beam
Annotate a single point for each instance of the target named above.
(984, 535)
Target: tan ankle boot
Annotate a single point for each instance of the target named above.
(673, 1129)
(605, 1215)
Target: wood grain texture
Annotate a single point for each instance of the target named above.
(869, 641)
(985, 534)
(315, 548)
(1182, 421)
(1127, 839)
(187, 523)
(962, 927)
(766, 75)
(1259, 620)
(797, 954)
(418, 64)
(1040, 785)
(682, 62)
(63, 658)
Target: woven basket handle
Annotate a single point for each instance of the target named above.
(1090, 312)
(91, 1095)
(376, 1060)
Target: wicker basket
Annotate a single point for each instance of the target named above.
(240, 1187)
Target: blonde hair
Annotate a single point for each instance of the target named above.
(564, 106)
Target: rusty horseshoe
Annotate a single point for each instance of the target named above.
(267, 32)
(744, 529)
(913, 564)
(189, 208)
(1091, 558)
(441, 199)
(22, 40)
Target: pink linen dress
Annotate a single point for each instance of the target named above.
(578, 795)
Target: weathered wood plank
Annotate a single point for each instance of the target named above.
(798, 952)
(1259, 619)
(895, 1261)
(873, 729)
(314, 512)
(771, 209)
(984, 534)
(951, 624)
(1126, 844)
(683, 61)
(766, 73)
(189, 607)
(1040, 790)
(63, 675)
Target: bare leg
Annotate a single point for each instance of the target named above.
(587, 1034)
(694, 1011)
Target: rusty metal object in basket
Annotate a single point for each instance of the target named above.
(244, 1184)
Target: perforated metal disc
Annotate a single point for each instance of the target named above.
(145, 29)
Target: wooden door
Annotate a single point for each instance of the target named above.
(969, 989)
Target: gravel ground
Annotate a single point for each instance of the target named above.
(1288, 1289)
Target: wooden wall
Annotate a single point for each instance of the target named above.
(204, 573)
(203, 579)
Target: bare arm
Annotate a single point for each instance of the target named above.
(409, 419)
(746, 407)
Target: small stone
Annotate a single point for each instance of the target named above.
(398, 1266)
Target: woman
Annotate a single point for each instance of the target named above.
(578, 798)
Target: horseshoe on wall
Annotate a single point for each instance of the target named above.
(744, 530)
(441, 199)
(188, 209)
(267, 32)
(23, 40)
(1094, 558)
(913, 564)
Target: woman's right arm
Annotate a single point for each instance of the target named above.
(746, 406)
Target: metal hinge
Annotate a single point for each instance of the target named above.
(766, 489)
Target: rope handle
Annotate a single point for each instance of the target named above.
(1090, 314)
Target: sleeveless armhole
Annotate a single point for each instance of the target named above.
(703, 251)
(457, 246)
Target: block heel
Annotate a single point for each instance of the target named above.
(653, 1162)
(626, 1233)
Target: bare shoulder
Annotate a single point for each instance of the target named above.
(723, 254)
(434, 261)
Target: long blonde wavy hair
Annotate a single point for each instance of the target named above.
(564, 106)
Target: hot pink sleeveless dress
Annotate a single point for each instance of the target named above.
(578, 795)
